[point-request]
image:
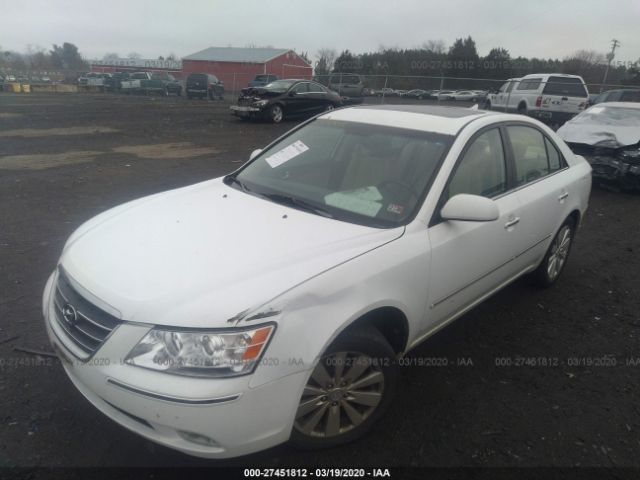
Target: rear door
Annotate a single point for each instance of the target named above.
(564, 94)
(542, 185)
(471, 259)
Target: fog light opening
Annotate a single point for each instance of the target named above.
(197, 438)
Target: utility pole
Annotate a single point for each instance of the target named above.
(614, 44)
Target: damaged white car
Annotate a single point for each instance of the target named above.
(607, 135)
(271, 304)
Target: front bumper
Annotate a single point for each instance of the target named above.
(212, 418)
(245, 111)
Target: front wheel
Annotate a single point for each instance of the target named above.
(276, 114)
(556, 257)
(350, 388)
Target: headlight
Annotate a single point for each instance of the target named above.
(261, 103)
(200, 353)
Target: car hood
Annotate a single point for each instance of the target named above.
(201, 255)
(611, 136)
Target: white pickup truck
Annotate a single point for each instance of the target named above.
(551, 97)
(135, 81)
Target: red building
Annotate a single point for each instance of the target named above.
(235, 67)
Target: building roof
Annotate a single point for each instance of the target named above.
(233, 54)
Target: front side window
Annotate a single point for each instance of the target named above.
(529, 153)
(482, 168)
(360, 173)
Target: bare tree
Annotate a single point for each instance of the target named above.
(326, 58)
(134, 56)
(435, 46)
(110, 56)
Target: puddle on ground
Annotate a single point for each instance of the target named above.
(48, 132)
(162, 151)
(42, 161)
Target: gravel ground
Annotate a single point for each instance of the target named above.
(534, 378)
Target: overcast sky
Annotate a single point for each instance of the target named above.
(542, 28)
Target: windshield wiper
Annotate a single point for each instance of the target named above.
(229, 179)
(297, 203)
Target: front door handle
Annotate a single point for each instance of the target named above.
(563, 196)
(512, 222)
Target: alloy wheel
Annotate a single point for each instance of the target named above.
(559, 252)
(344, 390)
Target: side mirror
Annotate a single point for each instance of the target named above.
(255, 153)
(292, 93)
(470, 208)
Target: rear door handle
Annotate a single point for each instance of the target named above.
(563, 196)
(512, 222)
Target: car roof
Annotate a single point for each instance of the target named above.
(428, 118)
(546, 75)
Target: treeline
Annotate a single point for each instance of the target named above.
(64, 59)
(462, 61)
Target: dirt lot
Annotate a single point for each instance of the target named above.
(63, 159)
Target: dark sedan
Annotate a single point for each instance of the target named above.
(284, 98)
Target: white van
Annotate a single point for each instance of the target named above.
(552, 97)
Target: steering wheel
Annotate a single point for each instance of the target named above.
(405, 186)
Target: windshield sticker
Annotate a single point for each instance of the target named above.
(395, 208)
(364, 201)
(286, 154)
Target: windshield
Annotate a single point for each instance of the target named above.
(280, 85)
(604, 115)
(360, 173)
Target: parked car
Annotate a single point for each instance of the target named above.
(417, 93)
(114, 83)
(607, 135)
(134, 82)
(284, 98)
(262, 80)
(445, 95)
(465, 95)
(271, 304)
(552, 97)
(348, 85)
(204, 85)
(387, 92)
(618, 95)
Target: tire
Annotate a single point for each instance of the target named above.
(522, 109)
(487, 105)
(554, 260)
(329, 107)
(333, 410)
(210, 95)
(276, 114)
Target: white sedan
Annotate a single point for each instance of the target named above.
(270, 304)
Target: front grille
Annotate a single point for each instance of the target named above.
(85, 325)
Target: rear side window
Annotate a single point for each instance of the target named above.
(315, 88)
(555, 159)
(529, 154)
(529, 84)
(482, 169)
(566, 87)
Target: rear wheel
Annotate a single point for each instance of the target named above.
(556, 257)
(349, 390)
(522, 109)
